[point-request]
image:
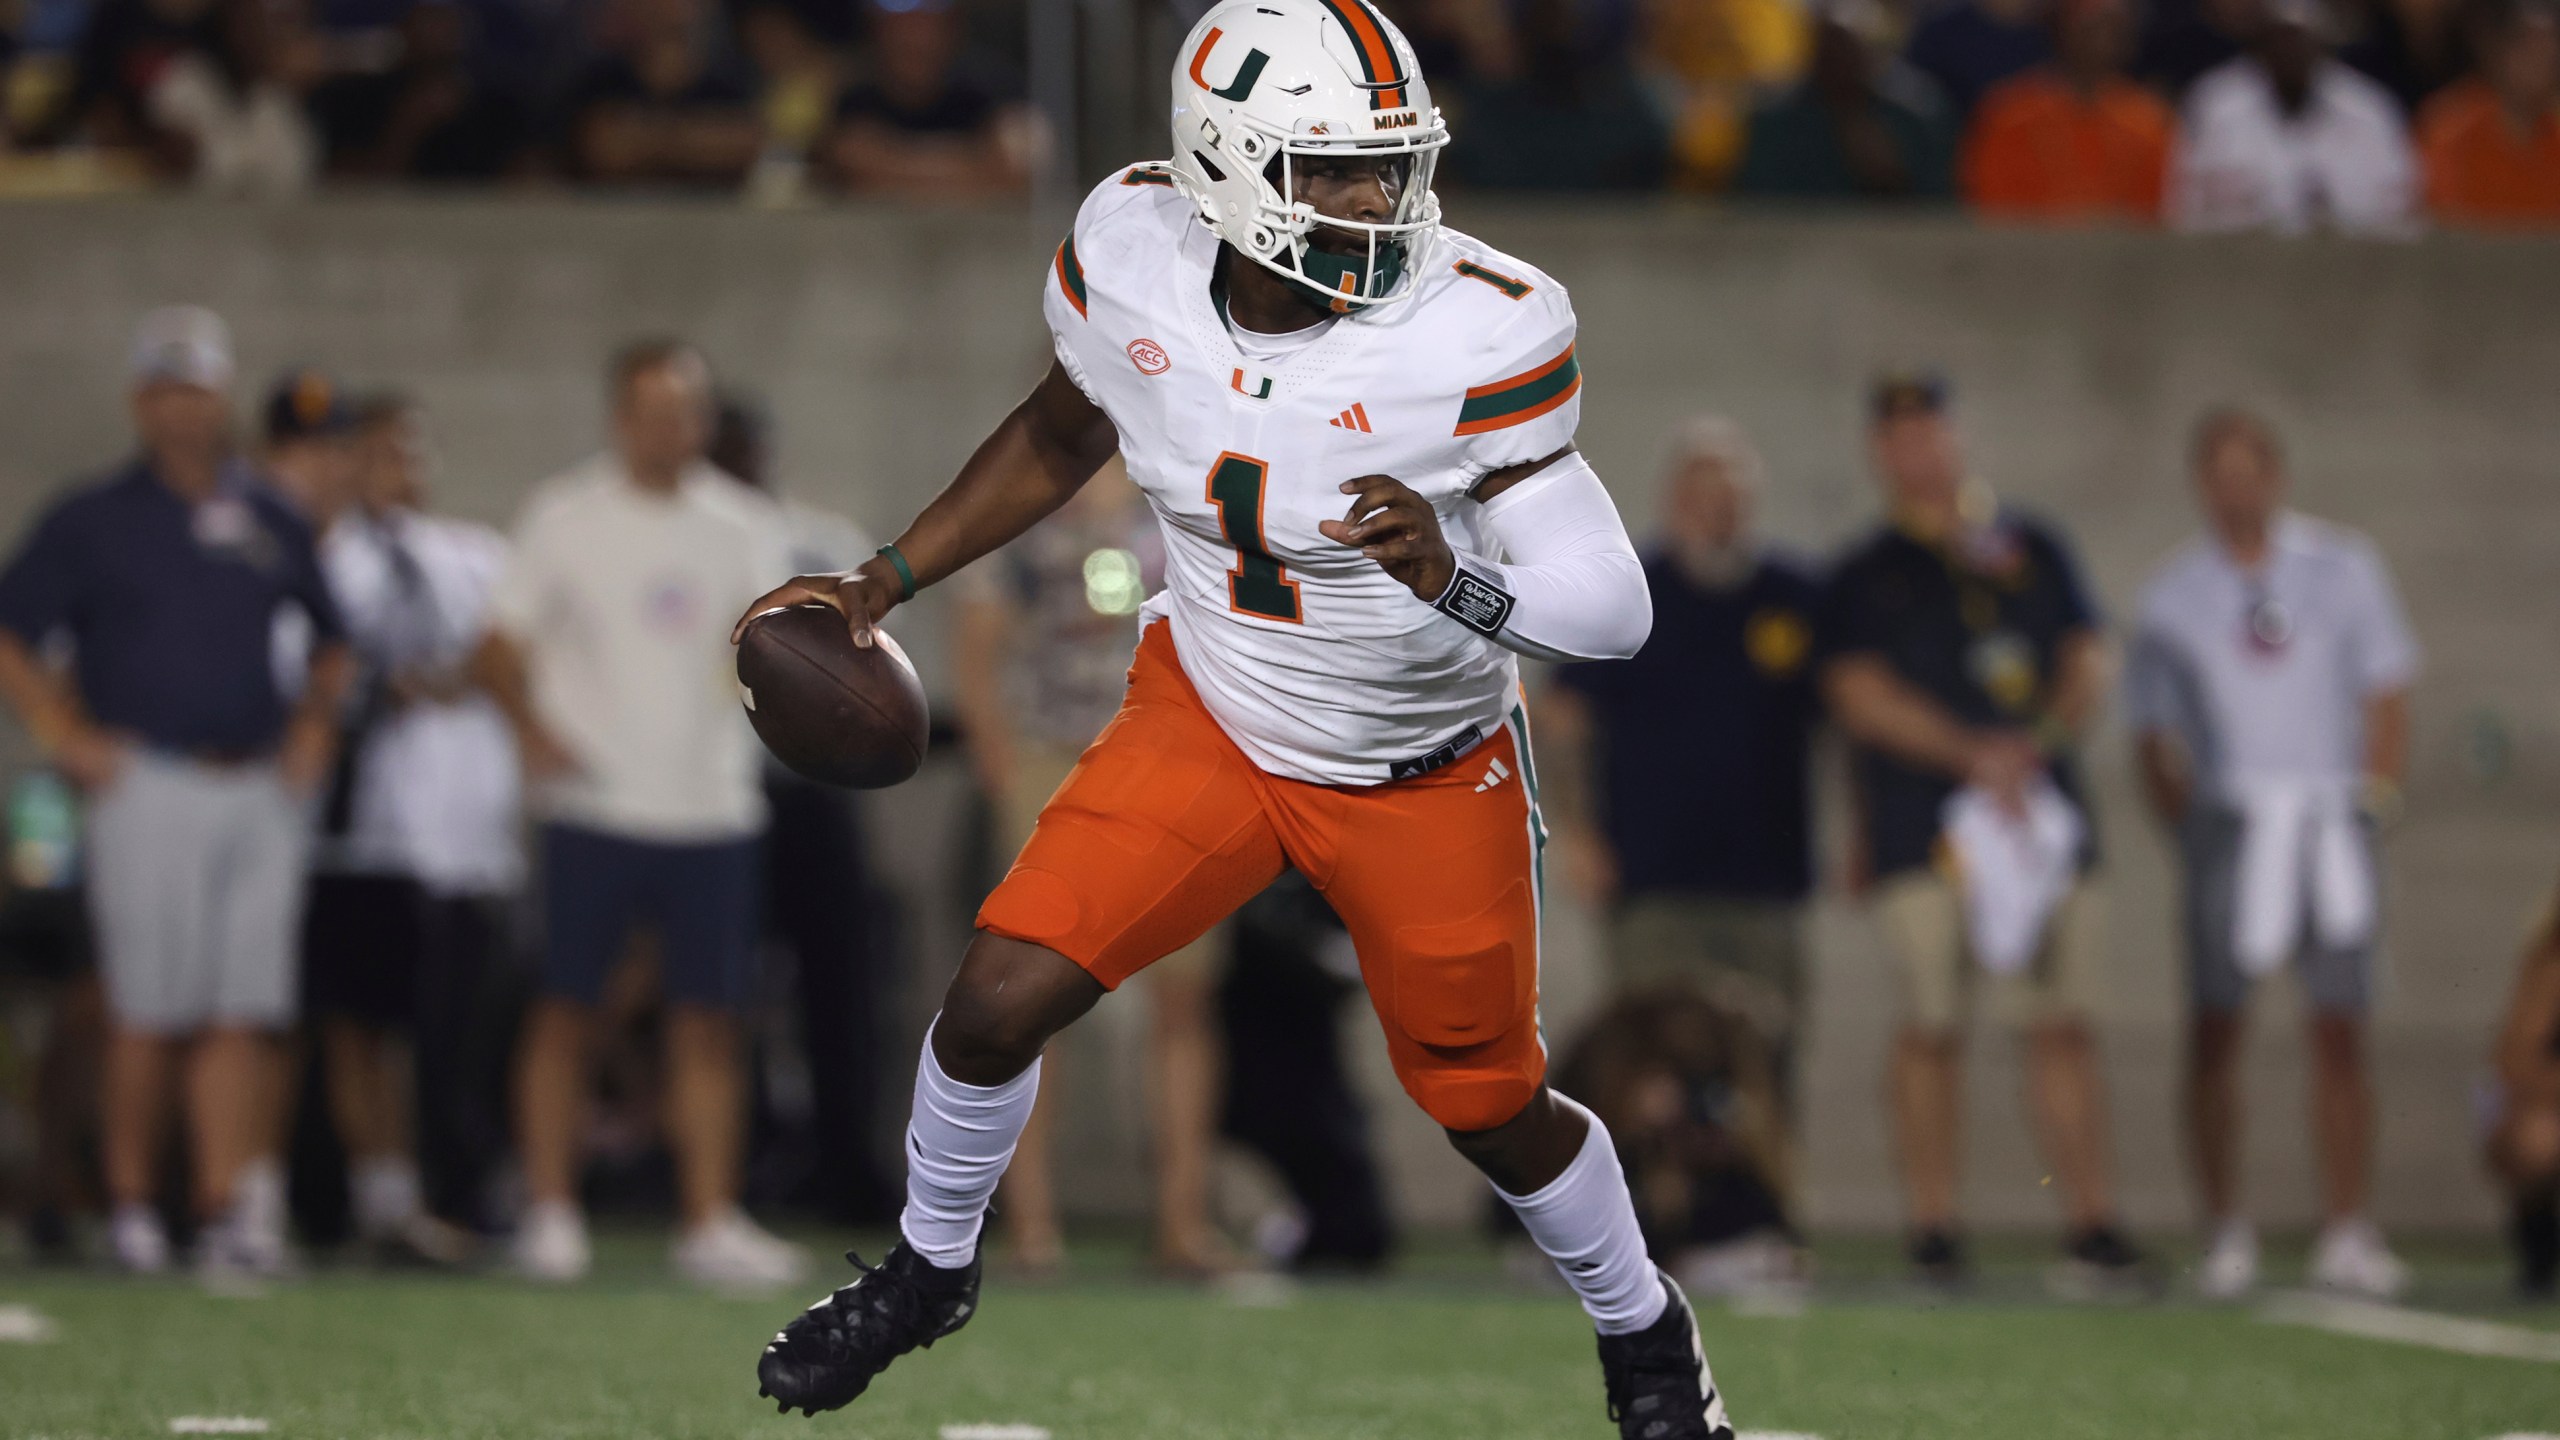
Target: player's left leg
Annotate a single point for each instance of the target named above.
(1437, 878)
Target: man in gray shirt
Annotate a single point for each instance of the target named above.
(2270, 693)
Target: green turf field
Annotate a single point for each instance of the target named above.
(1450, 1353)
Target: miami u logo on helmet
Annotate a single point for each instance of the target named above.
(1246, 73)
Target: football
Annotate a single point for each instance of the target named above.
(831, 710)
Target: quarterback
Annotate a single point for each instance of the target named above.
(1356, 429)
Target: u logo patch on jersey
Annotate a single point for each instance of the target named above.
(1251, 387)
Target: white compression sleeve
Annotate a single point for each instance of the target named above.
(1572, 587)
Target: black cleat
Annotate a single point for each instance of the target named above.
(1659, 1388)
(827, 1356)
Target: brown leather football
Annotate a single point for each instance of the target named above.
(835, 712)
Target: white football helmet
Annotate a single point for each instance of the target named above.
(1263, 84)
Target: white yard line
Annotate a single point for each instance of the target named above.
(217, 1425)
(1776, 1435)
(2372, 1320)
(995, 1432)
(24, 1325)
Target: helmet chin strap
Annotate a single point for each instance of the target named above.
(1322, 274)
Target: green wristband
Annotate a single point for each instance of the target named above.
(906, 576)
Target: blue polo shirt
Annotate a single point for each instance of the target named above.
(170, 605)
(1703, 736)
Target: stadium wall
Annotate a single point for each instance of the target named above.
(2413, 382)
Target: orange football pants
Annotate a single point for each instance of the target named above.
(1164, 828)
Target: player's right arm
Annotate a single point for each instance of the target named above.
(1037, 457)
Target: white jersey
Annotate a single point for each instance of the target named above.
(1317, 663)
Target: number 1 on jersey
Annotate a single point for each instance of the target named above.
(1257, 584)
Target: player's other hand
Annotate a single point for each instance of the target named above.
(1397, 528)
(862, 595)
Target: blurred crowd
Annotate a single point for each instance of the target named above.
(2375, 116)
(272, 97)
(424, 885)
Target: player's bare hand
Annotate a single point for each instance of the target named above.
(1395, 526)
(862, 595)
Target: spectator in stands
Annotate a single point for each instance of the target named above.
(1554, 105)
(2524, 1138)
(929, 121)
(1861, 125)
(432, 115)
(2270, 693)
(2412, 48)
(1045, 638)
(196, 766)
(419, 848)
(801, 78)
(124, 49)
(2075, 140)
(1678, 779)
(208, 91)
(608, 650)
(1972, 45)
(2182, 39)
(1962, 656)
(664, 105)
(2491, 144)
(1712, 60)
(2288, 139)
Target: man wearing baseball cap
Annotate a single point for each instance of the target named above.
(1961, 653)
(136, 626)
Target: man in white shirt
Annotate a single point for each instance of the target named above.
(2286, 138)
(2270, 693)
(609, 652)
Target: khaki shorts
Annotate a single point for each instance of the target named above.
(1038, 771)
(1922, 917)
(1746, 956)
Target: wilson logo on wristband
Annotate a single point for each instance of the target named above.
(1475, 602)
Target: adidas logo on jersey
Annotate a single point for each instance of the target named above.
(1494, 774)
(1355, 418)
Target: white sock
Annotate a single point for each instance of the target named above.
(386, 1194)
(959, 1139)
(1585, 1221)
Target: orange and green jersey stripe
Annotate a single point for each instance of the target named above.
(1071, 275)
(1377, 57)
(1147, 175)
(1522, 398)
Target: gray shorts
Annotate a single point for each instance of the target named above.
(2334, 978)
(195, 880)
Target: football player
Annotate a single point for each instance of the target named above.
(1356, 429)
